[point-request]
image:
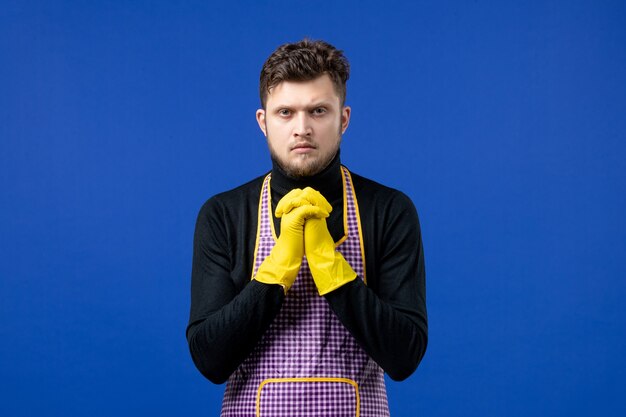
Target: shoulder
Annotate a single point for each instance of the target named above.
(379, 196)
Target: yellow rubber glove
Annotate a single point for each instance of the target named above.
(281, 266)
(329, 268)
(297, 198)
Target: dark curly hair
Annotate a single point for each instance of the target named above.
(304, 61)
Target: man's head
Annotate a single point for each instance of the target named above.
(304, 61)
(303, 91)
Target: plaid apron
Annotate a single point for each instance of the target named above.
(307, 364)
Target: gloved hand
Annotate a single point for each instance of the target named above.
(297, 198)
(329, 268)
(281, 266)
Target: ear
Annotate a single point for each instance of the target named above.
(345, 118)
(260, 119)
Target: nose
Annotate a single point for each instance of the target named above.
(302, 125)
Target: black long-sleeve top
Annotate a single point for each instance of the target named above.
(230, 312)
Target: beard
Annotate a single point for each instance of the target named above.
(305, 165)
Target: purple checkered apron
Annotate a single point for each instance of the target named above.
(307, 364)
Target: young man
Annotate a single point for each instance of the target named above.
(308, 282)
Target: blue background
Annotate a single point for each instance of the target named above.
(503, 121)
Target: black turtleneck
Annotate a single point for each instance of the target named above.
(229, 312)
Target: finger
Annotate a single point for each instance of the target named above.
(289, 205)
(316, 198)
(283, 205)
(299, 198)
(309, 212)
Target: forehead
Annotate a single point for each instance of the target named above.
(320, 89)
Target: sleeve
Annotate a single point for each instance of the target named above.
(224, 323)
(388, 317)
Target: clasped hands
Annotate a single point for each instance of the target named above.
(303, 231)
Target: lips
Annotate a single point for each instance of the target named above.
(303, 145)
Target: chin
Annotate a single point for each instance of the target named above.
(302, 166)
(302, 169)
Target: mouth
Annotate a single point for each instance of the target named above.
(303, 147)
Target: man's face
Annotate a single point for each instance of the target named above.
(303, 122)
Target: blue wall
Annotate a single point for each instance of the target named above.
(505, 123)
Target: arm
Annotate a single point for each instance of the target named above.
(388, 316)
(225, 321)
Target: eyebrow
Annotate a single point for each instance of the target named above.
(322, 103)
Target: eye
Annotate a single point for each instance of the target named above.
(319, 111)
(284, 112)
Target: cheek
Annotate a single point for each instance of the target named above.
(279, 130)
(332, 129)
(278, 139)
